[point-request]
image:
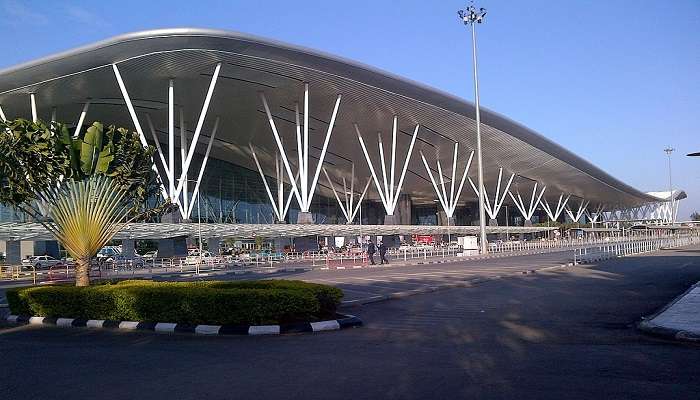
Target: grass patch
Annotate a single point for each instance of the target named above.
(212, 302)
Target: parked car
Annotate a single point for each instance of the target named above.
(151, 254)
(107, 252)
(193, 256)
(42, 262)
(120, 260)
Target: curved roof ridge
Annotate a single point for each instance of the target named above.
(360, 72)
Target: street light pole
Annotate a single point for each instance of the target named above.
(668, 152)
(199, 229)
(472, 16)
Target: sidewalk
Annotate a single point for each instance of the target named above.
(679, 320)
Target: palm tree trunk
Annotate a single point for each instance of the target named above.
(82, 272)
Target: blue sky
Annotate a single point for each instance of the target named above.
(615, 81)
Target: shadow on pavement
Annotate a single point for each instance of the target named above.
(556, 334)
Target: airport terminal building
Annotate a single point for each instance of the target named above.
(259, 137)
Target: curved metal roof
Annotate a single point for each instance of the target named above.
(251, 64)
(666, 196)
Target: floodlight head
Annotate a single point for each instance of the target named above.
(471, 15)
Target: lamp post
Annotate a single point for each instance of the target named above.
(199, 228)
(668, 152)
(472, 16)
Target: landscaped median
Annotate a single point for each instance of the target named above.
(243, 307)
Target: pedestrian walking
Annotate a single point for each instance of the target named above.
(371, 249)
(382, 253)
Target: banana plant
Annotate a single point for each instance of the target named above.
(91, 154)
(81, 189)
(33, 157)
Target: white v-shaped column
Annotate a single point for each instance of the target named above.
(177, 186)
(305, 192)
(388, 192)
(492, 210)
(597, 213)
(554, 214)
(137, 125)
(348, 207)
(449, 203)
(280, 206)
(528, 209)
(579, 213)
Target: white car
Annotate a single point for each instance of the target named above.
(41, 262)
(151, 255)
(193, 257)
(108, 252)
(120, 260)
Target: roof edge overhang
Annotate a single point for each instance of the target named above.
(118, 48)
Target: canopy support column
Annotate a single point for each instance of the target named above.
(492, 210)
(449, 203)
(305, 192)
(387, 192)
(528, 211)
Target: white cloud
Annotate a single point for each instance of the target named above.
(20, 13)
(84, 16)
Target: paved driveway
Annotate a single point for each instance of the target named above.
(559, 334)
(370, 283)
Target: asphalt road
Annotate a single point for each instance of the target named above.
(370, 283)
(558, 334)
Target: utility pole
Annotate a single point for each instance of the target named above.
(668, 152)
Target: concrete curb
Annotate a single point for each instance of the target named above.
(345, 321)
(669, 333)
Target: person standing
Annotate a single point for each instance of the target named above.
(370, 252)
(382, 253)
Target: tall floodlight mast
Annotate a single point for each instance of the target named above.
(668, 152)
(471, 16)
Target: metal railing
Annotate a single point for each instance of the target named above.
(614, 250)
(584, 251)
(564, 243)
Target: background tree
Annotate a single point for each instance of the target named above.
(695, 216)
(83, 189)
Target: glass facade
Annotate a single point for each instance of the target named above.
(9, 214)
(233, 194)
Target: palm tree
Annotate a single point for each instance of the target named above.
(88, 187)
(84, 216)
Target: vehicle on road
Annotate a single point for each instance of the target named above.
(42, 262)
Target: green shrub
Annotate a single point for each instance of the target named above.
(249, 302)
(329, 297)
